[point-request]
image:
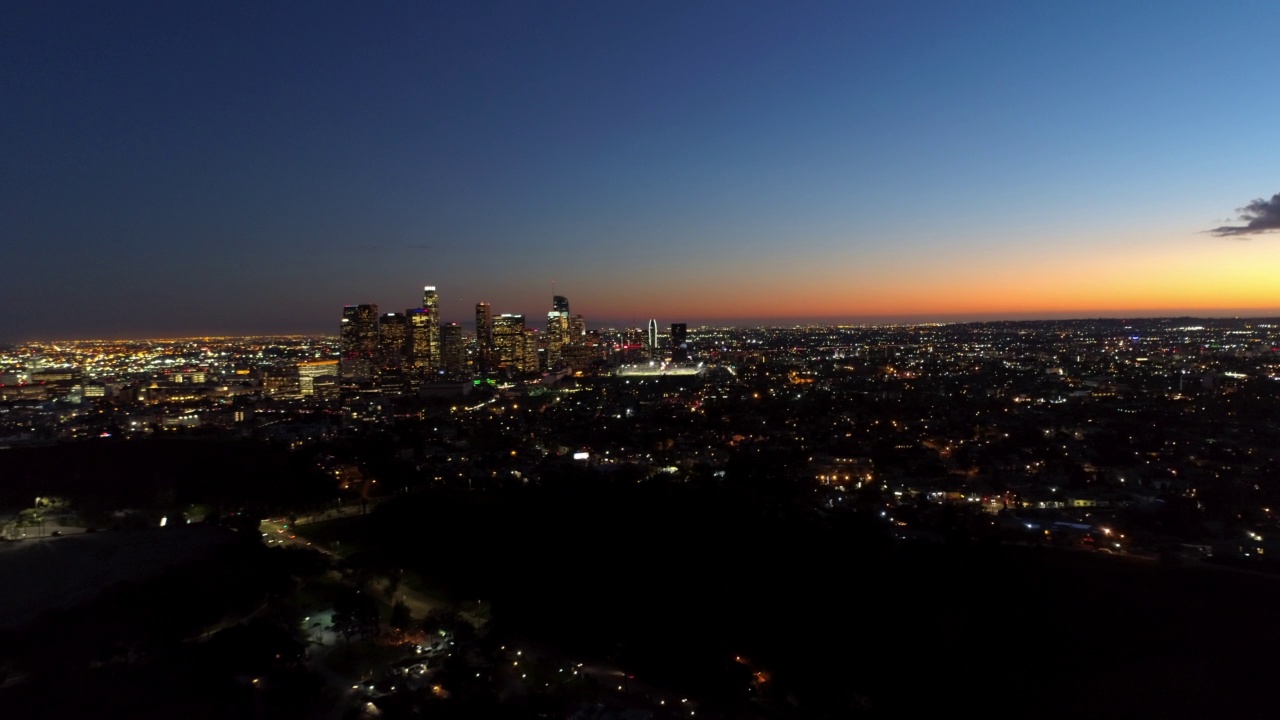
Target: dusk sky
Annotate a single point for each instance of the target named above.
(176, 168)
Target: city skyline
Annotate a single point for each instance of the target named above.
(177, 171)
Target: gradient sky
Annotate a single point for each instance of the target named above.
(174, 168)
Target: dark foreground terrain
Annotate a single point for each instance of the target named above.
(674, 581)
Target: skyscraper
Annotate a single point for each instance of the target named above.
(453, 352)
(430, 299)
(577, 328)
(484, 337)
(679, 342)
(359, 331)
(653, 338)
(358, 340)
(508, 341)
(557, 329)
(419, 342)
(393, 337)
(532, 360)
(431, 306)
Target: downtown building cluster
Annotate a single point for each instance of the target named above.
(416, 345)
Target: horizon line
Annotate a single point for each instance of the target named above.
(764, 323)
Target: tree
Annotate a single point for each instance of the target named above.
(355, 613)
(401, 618)
(449, 623)
(393, 582)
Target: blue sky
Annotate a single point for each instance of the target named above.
(179, 168)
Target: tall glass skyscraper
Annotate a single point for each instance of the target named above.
(431, 306)
(420, 339)
(359, 331)
(484, 337)
(358, 340)
(453, 353)
(508, 341)
(393, 337)
(557, 329)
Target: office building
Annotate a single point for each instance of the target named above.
(577, 328)
(679, 342)
(584, 356)
(317, 377)
(431, 306)
(419, 340)
(508, 341)
(358, 340)
(393, 338)
(453, 350)
(557, 335)
(484, 337)
(359, 331)
(534, 359)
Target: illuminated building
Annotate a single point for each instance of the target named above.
(508, 341)
(484, 336)
(532, 360)
(577, 328)
(12, 393)
(311, 371)
(453, 351)
(358, 340)
(557, 329)
(276, 382)
(393, 336)
(583, 356)
(653, 338)
(317, 368)
(359, 331)
(679, 342)
(419, 341)
(431, 306)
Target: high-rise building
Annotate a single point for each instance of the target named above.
(358, 340)
(484, 337)
(577, 328)
(679, 342)
(557, 335)
(653, 338)
(508, 341)
(359, 331)
(431, 306)
(419, 341)
(393, 339)
(453, 351)
(430, 299)
(532, 360)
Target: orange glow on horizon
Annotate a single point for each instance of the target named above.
(1152, 277)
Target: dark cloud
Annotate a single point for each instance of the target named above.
(1259, 216)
